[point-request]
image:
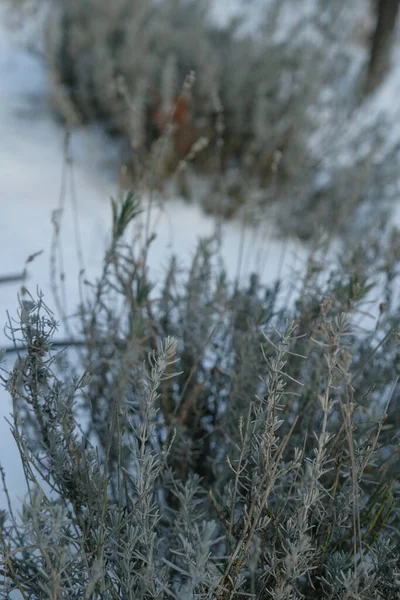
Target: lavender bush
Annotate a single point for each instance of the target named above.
(205, 440)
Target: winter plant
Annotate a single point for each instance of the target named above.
(206, 440)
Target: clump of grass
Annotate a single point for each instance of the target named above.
(210, 442)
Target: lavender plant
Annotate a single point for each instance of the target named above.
(208, 443)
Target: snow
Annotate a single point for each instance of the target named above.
(31, 167)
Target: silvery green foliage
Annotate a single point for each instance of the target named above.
(153, 471)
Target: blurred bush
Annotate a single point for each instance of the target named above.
(276, 113)
(284, 99)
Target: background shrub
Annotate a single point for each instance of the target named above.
(287, 100)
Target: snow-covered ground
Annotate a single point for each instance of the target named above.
(31, 167)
